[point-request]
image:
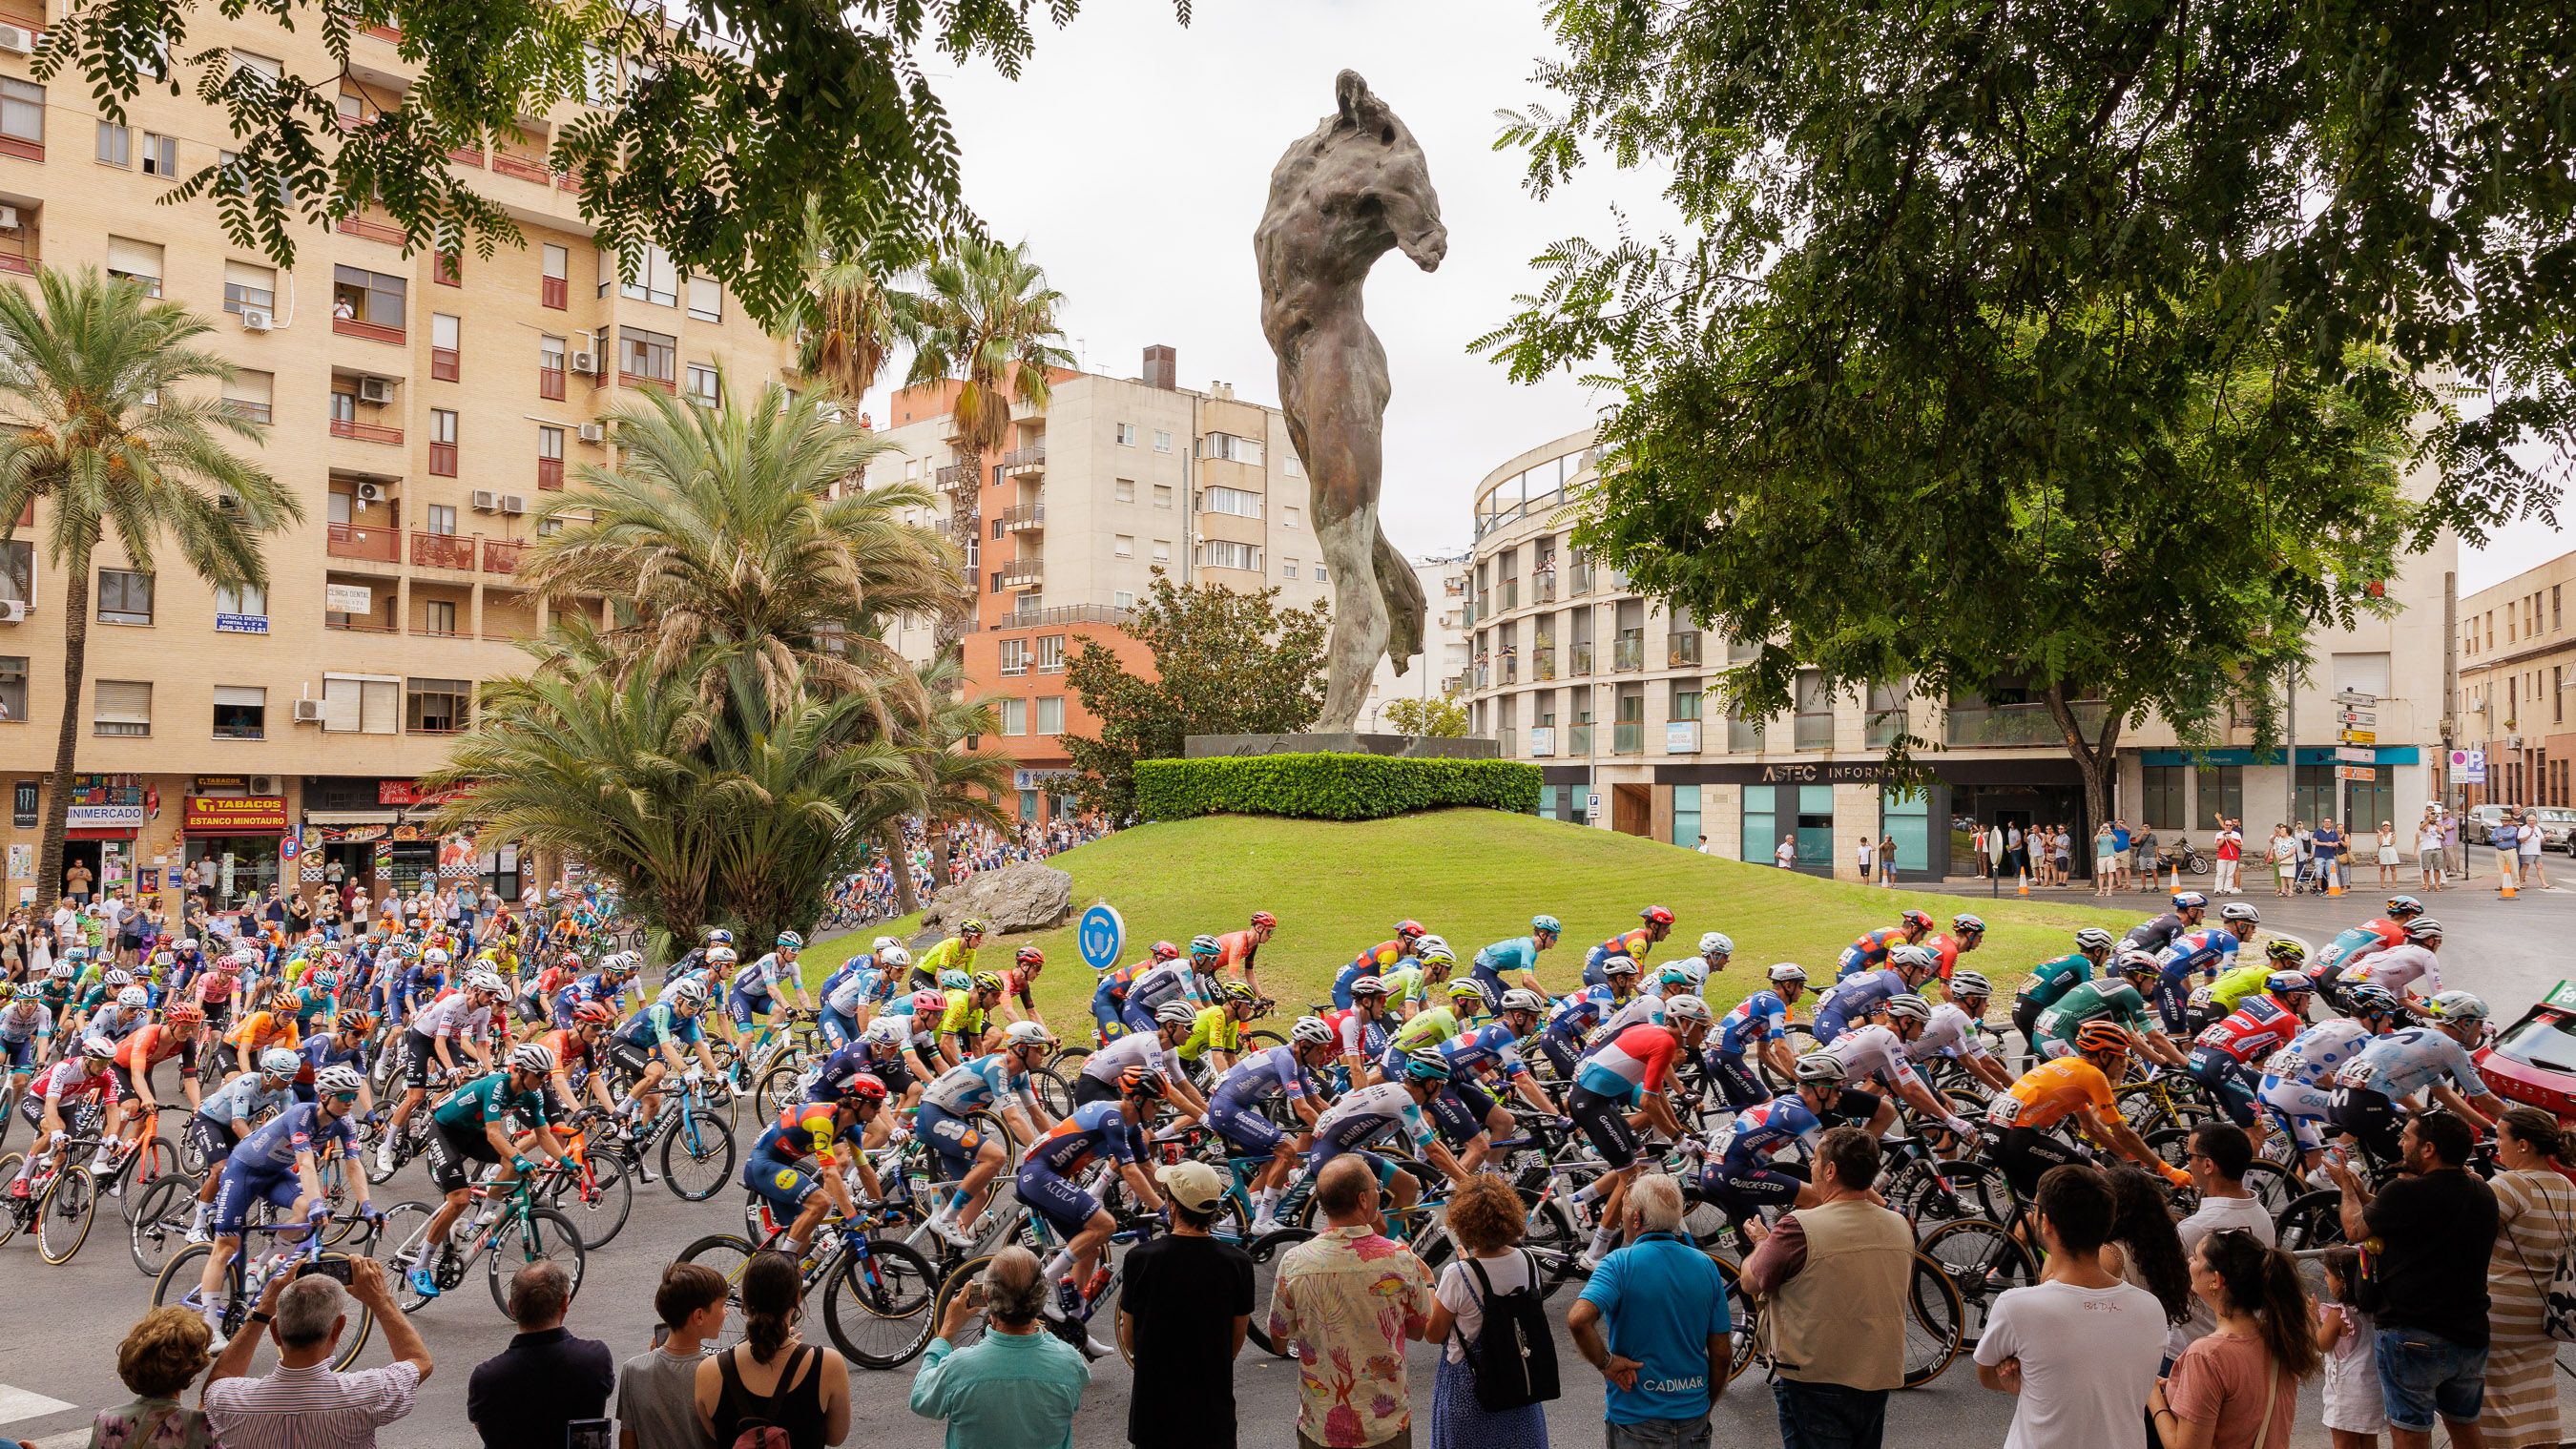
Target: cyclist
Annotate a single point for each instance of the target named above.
(180, 1033)
(1379, 959)
(1575, 1015)
(2350, 948)
(466, 1014)
(964, 1017)
(1359, 1031)
(915, 1021)
(1869, 952)
(1411, 987)
(1168, 980)
(957, 953)
(1152, 1050)
(879, 1052)
(257, 1031)
(1967, 932)
(1635, 1068)
(1020, 985)
(2237, 983)
(281, 1165)
(1518, 956)
(1716, 948)
(418, 984)
(2205, 952)
(317, 998)
(2406, 970)
(1431, 1028)
(227, 1115)
(1216, 1032)
(608, 986)
(997, 1082)
(577, 1052)
(2121, 1001)
(1464, 1111)
(471, 1124)
(2053, 978)
(1738, 1176)
(1857, 996)
(1955, 1032)
(1758, 1022)
(812, 1132)
(27, 1032)
(2223, 1055)
(649, 1043)
(2377, 1090)
(1234, 1110)
(1632, 944)
(2016, 1135)
(84, 1073)
(755, 990)
(1365, 1113)
(1206, 952)
(1048, 1179)
(854, 994)
(2155, 933)
(1241, 946)
(1109, 996)
(694, 961)
(2298, 1082)
(1877, 1051)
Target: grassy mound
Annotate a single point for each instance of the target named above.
(1475, 876)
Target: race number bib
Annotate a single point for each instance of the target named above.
(2005, 1110)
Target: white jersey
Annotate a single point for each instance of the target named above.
(1873, 1052)
(1135, 1049)
(2313, 1055)
(1643, 1009)
(453, 1016)
(2396, 969)
(1950, 1033)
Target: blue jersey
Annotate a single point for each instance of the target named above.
(1094, 1129)
(1765, 1128)
(1577, 1014)
(858, 983)
(1757, 1018)
(1480, 1047)
(977, 1083)
(324, 1050)
(270, 1152)
(2204, 951)
(1264, 1074)
(1520, 953)
(1857, 996)
(2153, 934)
(657, 1024)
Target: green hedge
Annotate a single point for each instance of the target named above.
(1329, 787)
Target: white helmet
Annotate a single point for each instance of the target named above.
(338, 1081)
(1907, 1006)
(894, 957)
(885, 1030)
(722, 956)
(1024, 1034)
(245, 958)
(1915, 957)
(1715, 943)
(1618, 966)
(434, 956)
(1175, 1013)
(1521, 998)
(134, 997)
(486, 981)
(1685, 1008)
(185, 943)
(279, 1062)
(533, 1057)
(118, 977)
(883, 944)
(1788, 971)
(1310, 1031)
(689, 989)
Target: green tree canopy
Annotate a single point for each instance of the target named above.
(1439, 716)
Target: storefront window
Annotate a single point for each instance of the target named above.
(234, 867)
(501, 873)
(2161, 787)
(1906, 818)
(415, 864)
(1686, 831)
(2222, 792)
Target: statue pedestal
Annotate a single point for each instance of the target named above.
(1416, 747)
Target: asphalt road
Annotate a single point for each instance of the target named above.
(58, 1338)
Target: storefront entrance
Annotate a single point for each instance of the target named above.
(88, 853)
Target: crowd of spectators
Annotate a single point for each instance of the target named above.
(870, 894)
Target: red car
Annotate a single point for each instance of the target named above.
(2533, 1061)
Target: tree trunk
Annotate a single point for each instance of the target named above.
(890, 840)
(49, 857)
(2096, 760)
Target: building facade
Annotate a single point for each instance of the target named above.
(1440, 670)
(1609, 693)
(2517, 662)
(1064, 528)
(421, 408)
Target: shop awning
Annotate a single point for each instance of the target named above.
(126, 833)
(351, 817)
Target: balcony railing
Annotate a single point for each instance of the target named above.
(371, 331)
(1026, 516)
(1628, 652)
(1578, 581)
(955, 475)
(23, 266)
(1883, 727)
(524, 169)
(1453, 683)
(550, 383)
(466, 155)
(1628, 737)
(1578, 660)
(442, 364)
(1484, 676)
(1543, 663)
(1511, 592)
(637, 379)
(380, 231)
(1062, 614)
(1022, 573)
(246, 410)
(1813, 730)
(1511, 670)
(1014, 671)
(501, 556)
(550, 474)
(366, 432)
(1024, 460)
(1682, 651)
(1747, 735)
(355, 625)
(1578, 740)
(551, 292)
(442, 550)
(2017, 724)
(1543, 587)
(375, 545)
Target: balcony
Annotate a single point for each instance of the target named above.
(1543, 586)
(443, 364)
(1882, 728)
(2017, 724)
(550, 383)
(1543, 663)
(1028, 517)
(1578, 581)
(551, 292)
(1628, 651)
(1681, 651)
(501, 556)
(385, 33)
(1628, 737)
(1812, 730)
(359, 541)
(1023, 462)
(1578, 660)
(1023, 573)
(442, 551)
(550, 475)
(1062, 614)
(1748, 735)
(247, 410)
(1578, 740)
(466, 155)
(637, 379)
(526, 170)
(377, 231)
(371, 331)
(366, 432)
(1511, 592)
(23, 266)
(955, 476)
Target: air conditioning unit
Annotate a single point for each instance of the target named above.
(8, 218)
(375, 391)
(594, 432)
(370, 493)
(256, 319)
(17, 40)
(13, 611)
(261, 784)
(482, 500)
(2513, 742)
(308, 711)
(513, 503)
(586, 363)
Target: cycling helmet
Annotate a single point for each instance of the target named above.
(879, 945)
(1715, 943)
(1143, 1082)
(2423, 928)
(244, 959)
(2286, 951)
(1655, 916)
(75, 953)
(866, 1088)
(1426, 1064)
(30, 991)
(338, 1081)
(63, 971)
(275, 1062)
(134, 998)
(1432, 951)
(1919, 920)
(1685, 1008)
(719, 936)
(722, 956)
(324, 981)
(894, 958)
(2280, 982)
(1166, 951)
(2103, 1036)
(435, 956)
(2139, 963)
(1906, 1006)
(2240, 911)
(692, 992)
(1467, 988)
(592, 1011)
(2189, 901)
(1971, 983)
(1676, 975)
(1408, 930)
(1263, 920)
(2404, 907)
(118, 976)
(100, 1049)
(621, 963)
(1030, 956)
(790, 941)
(1967, 924)
(2361, 998)
(955, 980)
(1236, 991)
(2452, 1007)
(971, 926)
(1788, 971)
(533, 1057)
(1820, 1068)
(1618, 966)
(1175, 1013)
(987, 981)
(354, 1020)
(1917, 958)
(1027, 1034)
(928, 1003)
(1521, 998)
(1205, 945)
(884, 1031)
(1550, 924)
(1311, 1031)
(486, 981)
(1366, 986)
(185, 943)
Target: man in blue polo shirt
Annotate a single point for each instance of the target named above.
(1653, 1320)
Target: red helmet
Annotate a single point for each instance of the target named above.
(184, 1013)
(1031, 956)
(1407, 930)
(572, 959)
(928, 1003)
(1917, 919)
(592, 1011)
(1166, 951)
(1263, 919)
(1655, 916)
(864, 1088)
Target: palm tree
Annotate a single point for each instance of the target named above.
(96, 423)
(986, 317)
(844, 321)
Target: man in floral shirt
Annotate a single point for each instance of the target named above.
(1346, 1301)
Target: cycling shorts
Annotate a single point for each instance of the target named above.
(1743, 1189)
(1136, 1018)
(1459, 1111)
(954, 1140)
(838, 1030)
(1088, 1089)
(1104, 1010)
(1734, 1081)
(784, 1185)
(451, 1149)
(1830, 1023)
(2370, 1116)
(1857, 1106)
(1244, 1128)
(2173, 1004)
(124, 1083)
(2302, 1109)
(239, 1190)
(1490, 979)
(419, 1058)
(2025, 1019)
(1048, 1195)
(22, 1055)
(1603, 1121)
(744, 1007)
(630, 1058)
(2026, 1154)
(559, 1015)
(2225, 1077)
(1593, 975)
(533, 1009)
(215, 1140)
(1562, 1051)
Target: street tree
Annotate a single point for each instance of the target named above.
(1437, 716)
(985, 318)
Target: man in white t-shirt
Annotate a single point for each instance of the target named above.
(2219, 1154)
(2080, 1348)
(1787, 854)
(2531, 844)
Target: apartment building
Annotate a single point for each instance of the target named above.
(420, 406)
(2517, 662)
(1562, 647)
(1064, 527)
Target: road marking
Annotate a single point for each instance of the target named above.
(17, 1403)
(69, 1439)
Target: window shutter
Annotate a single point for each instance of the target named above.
(382, 706)
(125, 701)
(339, 706)
(238, 694)
(143, 259)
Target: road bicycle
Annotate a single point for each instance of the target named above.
(509, 1233)
(244, 1280)
(590, 1187)
(877, 1293)
(696, 1142)
(62, 1196)
(1074, 1327)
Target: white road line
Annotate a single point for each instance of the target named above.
(17, 1403)
(68, 1439)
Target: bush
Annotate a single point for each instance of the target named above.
(1329, 787)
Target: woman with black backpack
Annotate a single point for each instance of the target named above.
(1498, 1356)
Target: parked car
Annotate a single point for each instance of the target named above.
(2558, 829)
(2479, 826)
(2533, 1061)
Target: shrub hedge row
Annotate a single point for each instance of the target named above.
(1329, 786)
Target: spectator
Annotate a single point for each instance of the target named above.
(657, 1393)
(1664, 1360)
(304, 1403)
(2238, 1386)
(1887, 860)
(2429, 866)
(2387, 853)
(2230, 851)
(162, 1354)
(2079, 1347)
(2536, 1213)
(1018, 1388)
(2216, 1159)
(2142, 860)
(2437, 1227)
(2353, 1414)
(2535, 875)
(523, 1396)
(1787, 855)
(1867, 854)
(2144, 1250)
(769, 1378)
(2456, 853)
(1182, 1318)
(1833, 1278)
(2107, 843)
(2503, 836)
(1488, 1221)
(2328, 843)
(1347, 1300)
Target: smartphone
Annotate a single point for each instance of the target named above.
(976, 1297)
(586, 1434)
(661, 1334)
(336, 1269)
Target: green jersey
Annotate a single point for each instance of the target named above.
(1403, 985)
(1428, 1028)
(489, 1099)
(2231, 988)
(2050, 980)
(2093, 1001)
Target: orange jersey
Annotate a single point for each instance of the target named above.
(2049, 1094)
(569, 1049)
(1239, 948)
(264, 1029)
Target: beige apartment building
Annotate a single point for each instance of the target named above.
(421, 409)
(2517, 662)
(1604, 689)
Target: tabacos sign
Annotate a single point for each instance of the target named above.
(242, 814)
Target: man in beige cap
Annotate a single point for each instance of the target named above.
(1183, 1314)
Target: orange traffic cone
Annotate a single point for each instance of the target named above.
(2504, 886)
(2173, 881)
(2023, 888)
(2334, 881)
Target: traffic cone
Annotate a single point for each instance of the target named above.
(2173, 880)
(2023, 888)
(2334, 881)
(2504, 886)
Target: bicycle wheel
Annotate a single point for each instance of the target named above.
(2273, 1186)
(1743, 1319)
(2311, 1222)
(597, 1201)
(1984, 1261)
(877, 1305)
(958, 1278)
(726, 1254)
(1259, 1040)
(1266, 1254)
(406, 1242)
(62, 1219)
(543, 1233)
(1553, 1241)
(153, 1161)
(178, 1277)
(11, 1220)
(1934, 1192)
(161, 1216)
(1935, 1320)
(356, 1334)
(777, 1087)
(697, 1155)
(1055, 1090)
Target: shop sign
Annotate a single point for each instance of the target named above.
(397, 792)
(351, 834)
(104, 817)
(1830, 773)
(241, 623)
(236, 815)
(23, 811)
(107, 790)
(348, 599)
(222, 782)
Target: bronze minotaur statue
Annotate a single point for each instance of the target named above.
(1338, 200)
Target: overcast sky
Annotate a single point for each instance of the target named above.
(1134, 156)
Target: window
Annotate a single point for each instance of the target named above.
(1230, 447)
(1235, 501)
(651, 355)
(1051, 714)
(370, 297)
(22, 113)
(1218, 553)
(438, 616)
(361, 704)
(2160, 790)
(1287, 568)
(13, 688)
(344, 406)
(702, 382)
(1686, 694)
(1015, 716)
(657, 277)
(122, 707)
(1319, 573)
(1125, 433)
(2554, 616)
(1162, 550)
(124, 597)
(1288, 517)
(246, 285)
(437, 706)
(1015, 656)
(241, 712)
(1162, 440)
(250, 395)
(551, 285)
(441, 519)
(1050, 654)
(1162, 495)
(442, 442)
(706, 299)
(1124, 491)
(250, 601)
(160, 155)
(549, 456)
(264, 66)
(138, 262)
(115, 143)
(445, 339)
(1126, 546)
(2222, 792)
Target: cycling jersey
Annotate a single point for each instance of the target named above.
(1094, 1129)
(847, 1065)
(2114, 1000)
(1473, 1051)
(2154, 934)
(243, 1099)
(952, 954)
(1427, 1028)
(1945, 952)
(763, 977)
(2252, 1031)
(2348, 948)
(1869, 952)
(1237, 949)
(2403, 1063)
(271, 1150)
(1758, 1131)
(1268, 1073)
(1503, 959)
(857, 985)
(2050, 1093)
(962, 1017)
(25, 1020)
(2313, 1055)
(1950, 1033)
(453, 1015)
(69, 1079)
(1358, 1035)
(115, 1024)
(1577, 1013)
(1156, 985)
(307, 1003)
(1632, 944)
(2200, 951)
(1638, 1059)
(155, 1044)
(1874, 1052)
(1405, 987)
(1136, 1049)
(657, 1025)
(805, 1129)
(1646, 1008)
(1757, 1018)
(1214, 1030)
(1363, 1113)
(2400, 969)
(1854, 997)
(487, 1100)
(972, 1085)
(2233, 986)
